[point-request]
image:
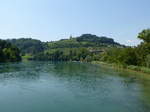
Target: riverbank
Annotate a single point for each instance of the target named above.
(121, 67)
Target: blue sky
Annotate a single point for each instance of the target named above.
(55, 19)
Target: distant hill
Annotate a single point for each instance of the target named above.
(75, 48)
(95, 39)
(34, 46)
(28, 45)
(85, 40)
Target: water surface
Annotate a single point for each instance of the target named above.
(71, 87)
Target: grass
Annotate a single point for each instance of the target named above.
(27, 57)
(129, 67)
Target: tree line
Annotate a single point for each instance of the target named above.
(86, 47)
(138, 56)
(72, 49)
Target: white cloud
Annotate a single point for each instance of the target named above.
(132, 42)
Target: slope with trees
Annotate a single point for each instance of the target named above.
(75, 48)
(28, 45)
(83, 48)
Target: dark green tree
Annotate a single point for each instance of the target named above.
(8, 52)
(145, 35)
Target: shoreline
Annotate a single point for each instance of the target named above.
(135, 69)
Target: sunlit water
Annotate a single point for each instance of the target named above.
(71, 87)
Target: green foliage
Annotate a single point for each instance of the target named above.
(145, 35)
(142, 51)
(64, 43)
(147, 60)
(95, 39)
(86, 47)
(85, 40)
(8, 52)
(83, 48)
(138, 68)
(27, 57)
(124, 56)
(137, 56)
(28, 45)
(128, 56)
(67, 54)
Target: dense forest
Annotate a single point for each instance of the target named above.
(8, 52)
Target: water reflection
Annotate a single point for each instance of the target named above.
(52, 84)
(18, 71)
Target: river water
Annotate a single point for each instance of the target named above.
(71, 87)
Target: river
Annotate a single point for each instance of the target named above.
(71, 87)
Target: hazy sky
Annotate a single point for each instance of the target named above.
(55, 19)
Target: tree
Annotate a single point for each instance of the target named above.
(128, 56)
(148, 61)
(145, 35)
(8, 52)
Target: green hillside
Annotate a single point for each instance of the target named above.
(85, 40)
(28, 45)
(74, 48)
(86, 47)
